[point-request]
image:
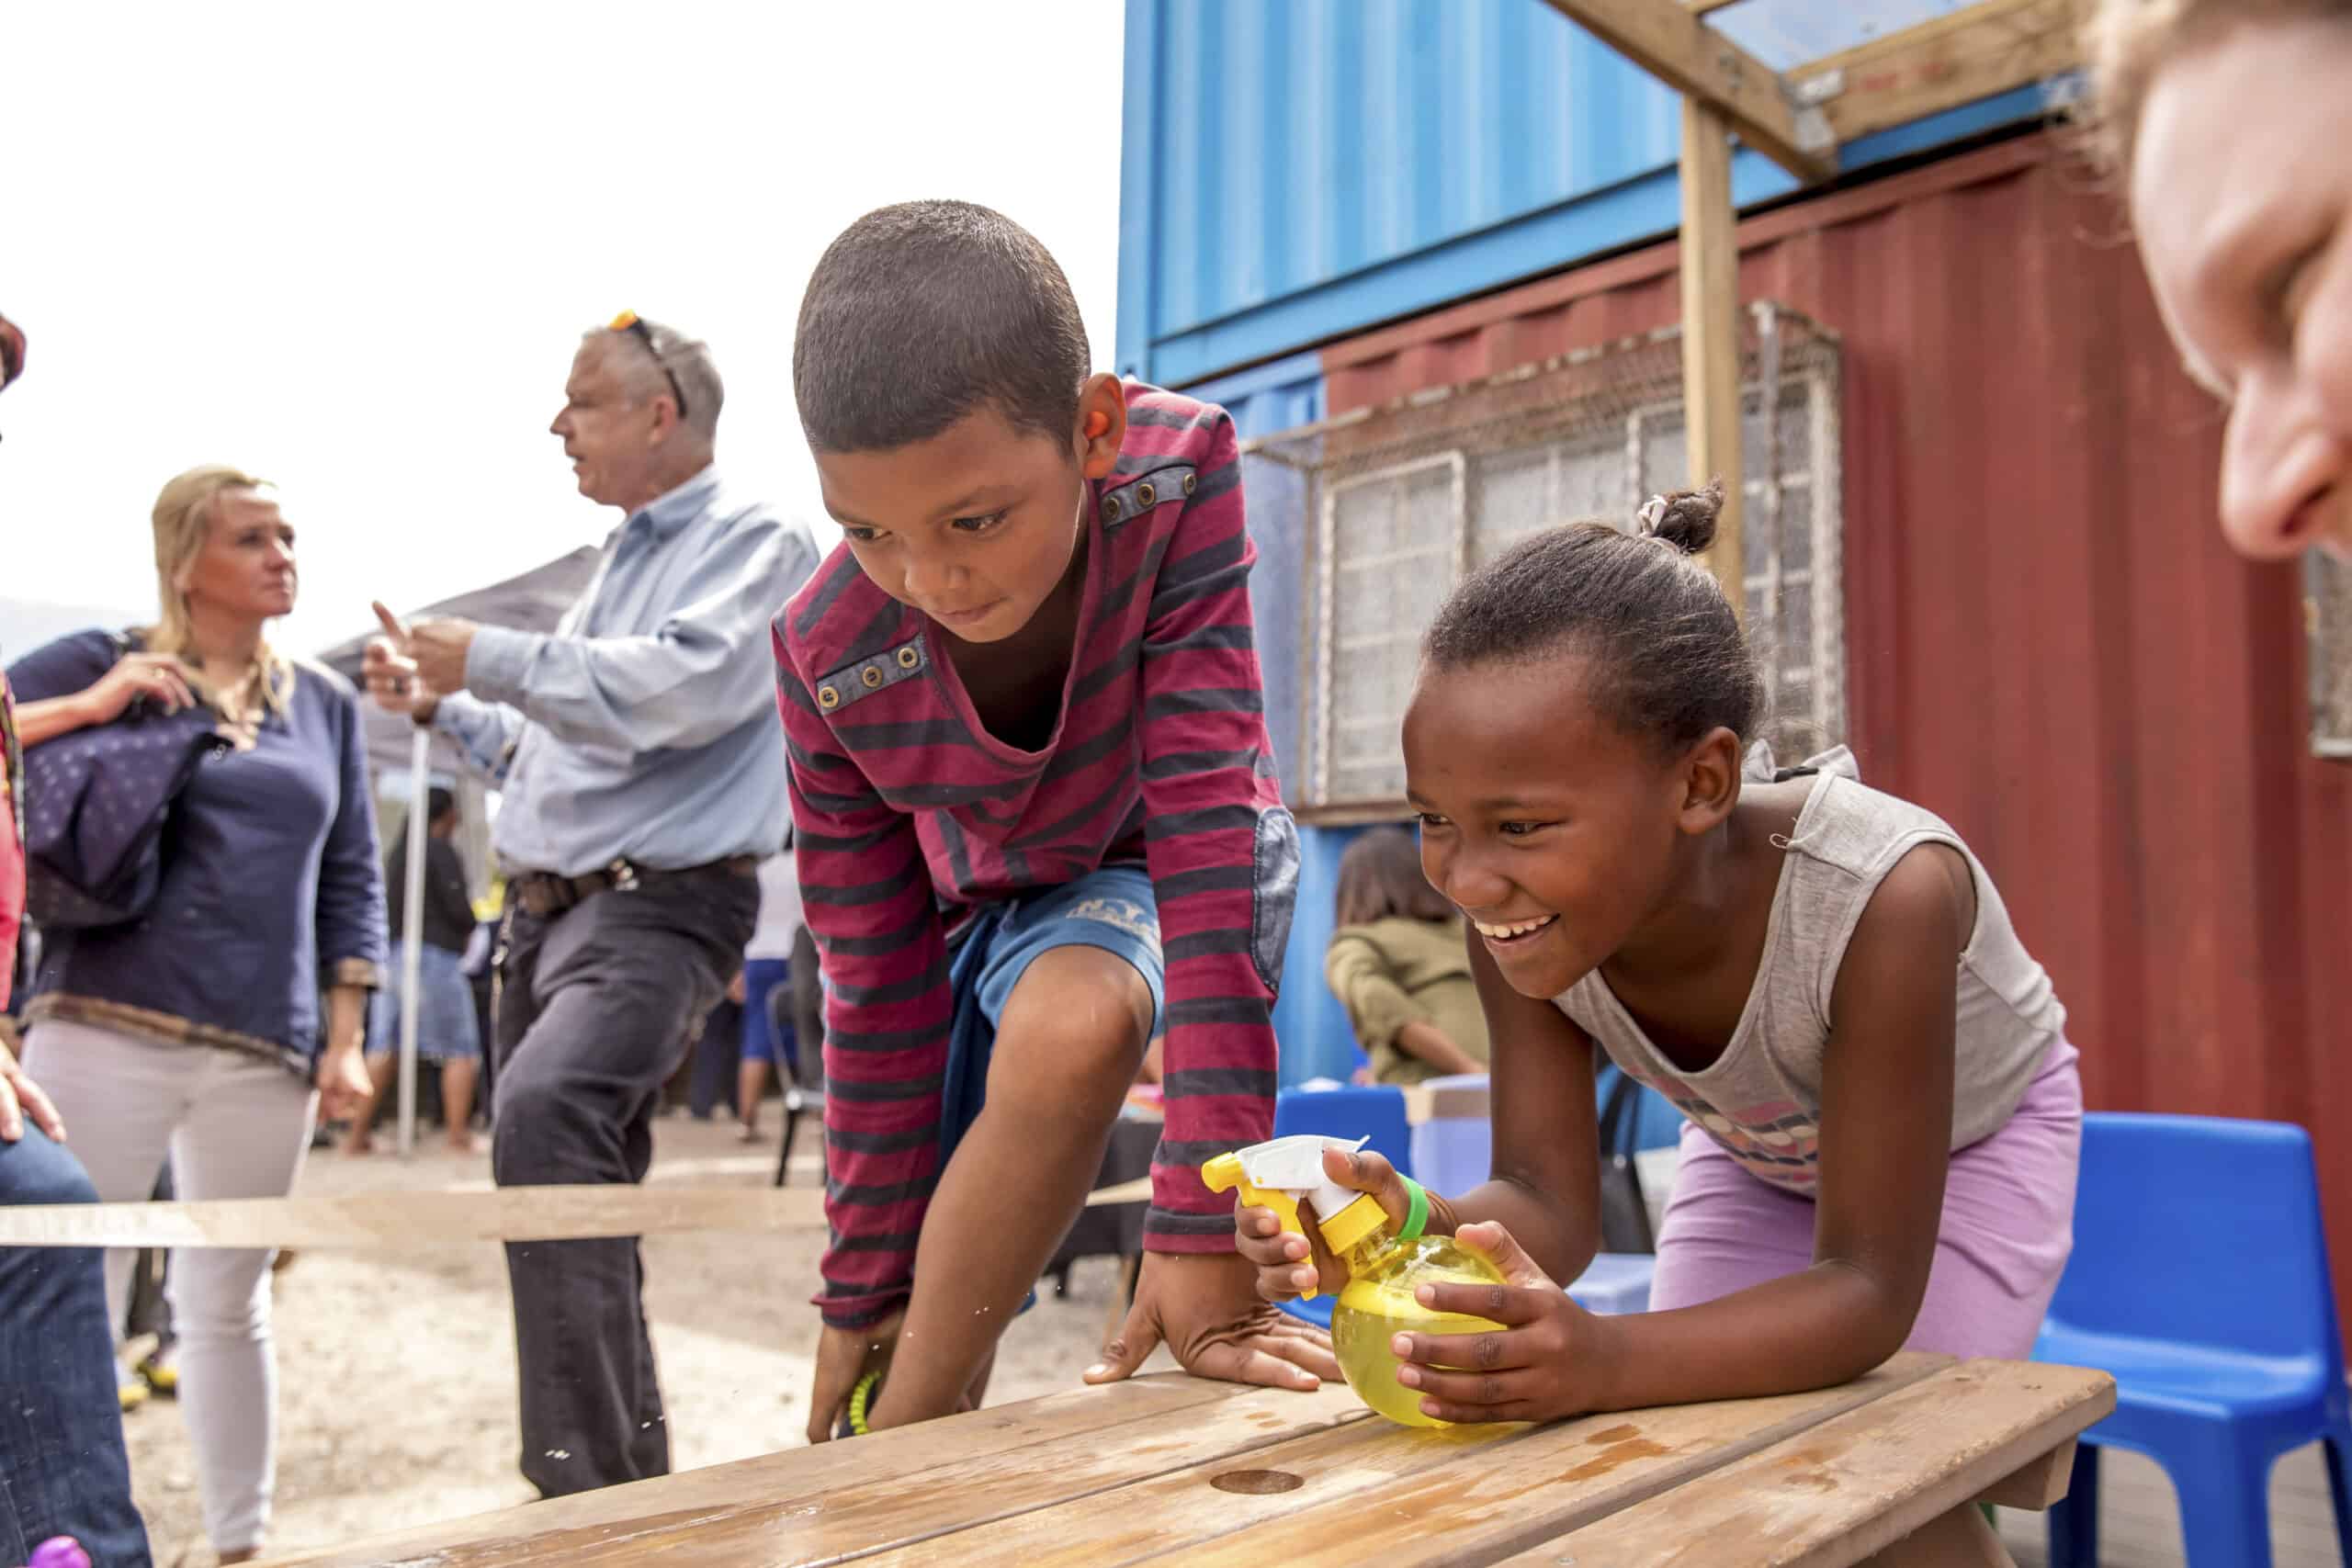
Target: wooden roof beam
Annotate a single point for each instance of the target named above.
(1973, 53)
(1666, 39)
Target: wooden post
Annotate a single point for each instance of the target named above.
(1711, 331)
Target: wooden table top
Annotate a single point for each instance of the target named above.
(1171, 1469)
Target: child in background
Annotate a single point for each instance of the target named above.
(1030, 779)
(1884, 1111)
(448, 1033)
(767, 963)
(1398, 966)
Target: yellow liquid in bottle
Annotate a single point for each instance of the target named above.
(1379, 1304)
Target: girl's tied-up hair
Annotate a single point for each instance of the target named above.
(1665, 656)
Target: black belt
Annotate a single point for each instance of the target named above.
(543, 894)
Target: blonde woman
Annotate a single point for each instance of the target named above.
(198, 1029)
(2230, 122)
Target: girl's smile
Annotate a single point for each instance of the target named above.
(1505, 934)
(1551, 828)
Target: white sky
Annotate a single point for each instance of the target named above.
(353, 250)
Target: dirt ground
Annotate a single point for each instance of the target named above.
(396, 1371)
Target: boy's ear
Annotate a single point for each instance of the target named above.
(1710, 780)
(1101, 424)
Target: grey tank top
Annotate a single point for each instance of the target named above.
(1761, 1099)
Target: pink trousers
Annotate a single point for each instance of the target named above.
(2008, 1225)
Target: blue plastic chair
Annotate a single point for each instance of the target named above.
(1356, 1111)
(2200, 1279)
(1453, 1153)
(1614, 1283)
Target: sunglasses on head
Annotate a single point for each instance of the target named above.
(628, 321)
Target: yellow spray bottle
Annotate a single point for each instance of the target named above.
(1385, 1265)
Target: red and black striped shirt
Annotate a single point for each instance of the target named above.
(908, 812)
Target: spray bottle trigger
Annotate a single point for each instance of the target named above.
(1228, 1173)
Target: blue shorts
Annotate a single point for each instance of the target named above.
(1112, 909)
(761, 975)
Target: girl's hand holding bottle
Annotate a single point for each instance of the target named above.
(1552, 1359)
(1539, 1356)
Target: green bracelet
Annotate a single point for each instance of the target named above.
(1417, 1215)
(860, 1398)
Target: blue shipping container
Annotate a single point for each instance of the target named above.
(1295, 171)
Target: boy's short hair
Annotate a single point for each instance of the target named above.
(920, 313)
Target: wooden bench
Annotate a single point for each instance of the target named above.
(1172, 1470)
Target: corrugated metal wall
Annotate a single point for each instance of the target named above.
(1297, 171)
(1280, 396)
(2046, 641)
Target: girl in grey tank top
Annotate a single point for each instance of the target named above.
(1760, 1099)
(1883, 1110)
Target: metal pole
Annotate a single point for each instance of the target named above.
(412, 930)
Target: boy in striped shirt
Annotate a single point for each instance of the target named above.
(1036, 816)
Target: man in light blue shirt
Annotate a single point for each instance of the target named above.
(642, 776)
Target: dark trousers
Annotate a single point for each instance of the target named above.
(718, 1054)
(151, 1310)
(63, 1468)
(594, 1009)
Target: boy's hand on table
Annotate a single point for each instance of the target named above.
(844, 1356)
(1551, 1359)
(1206, 1308)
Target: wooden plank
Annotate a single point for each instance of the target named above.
(1349, 1466)
(1971, 53)
(1136, 1191)
(909, 1450)
(1710, 276)
(398, 1221)
(2039, 1484)
(1854, 1486)
(1961, 1537)
(1673, 45)
(1476, 1503)
(849, 1499)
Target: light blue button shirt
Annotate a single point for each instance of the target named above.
(644, 729)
